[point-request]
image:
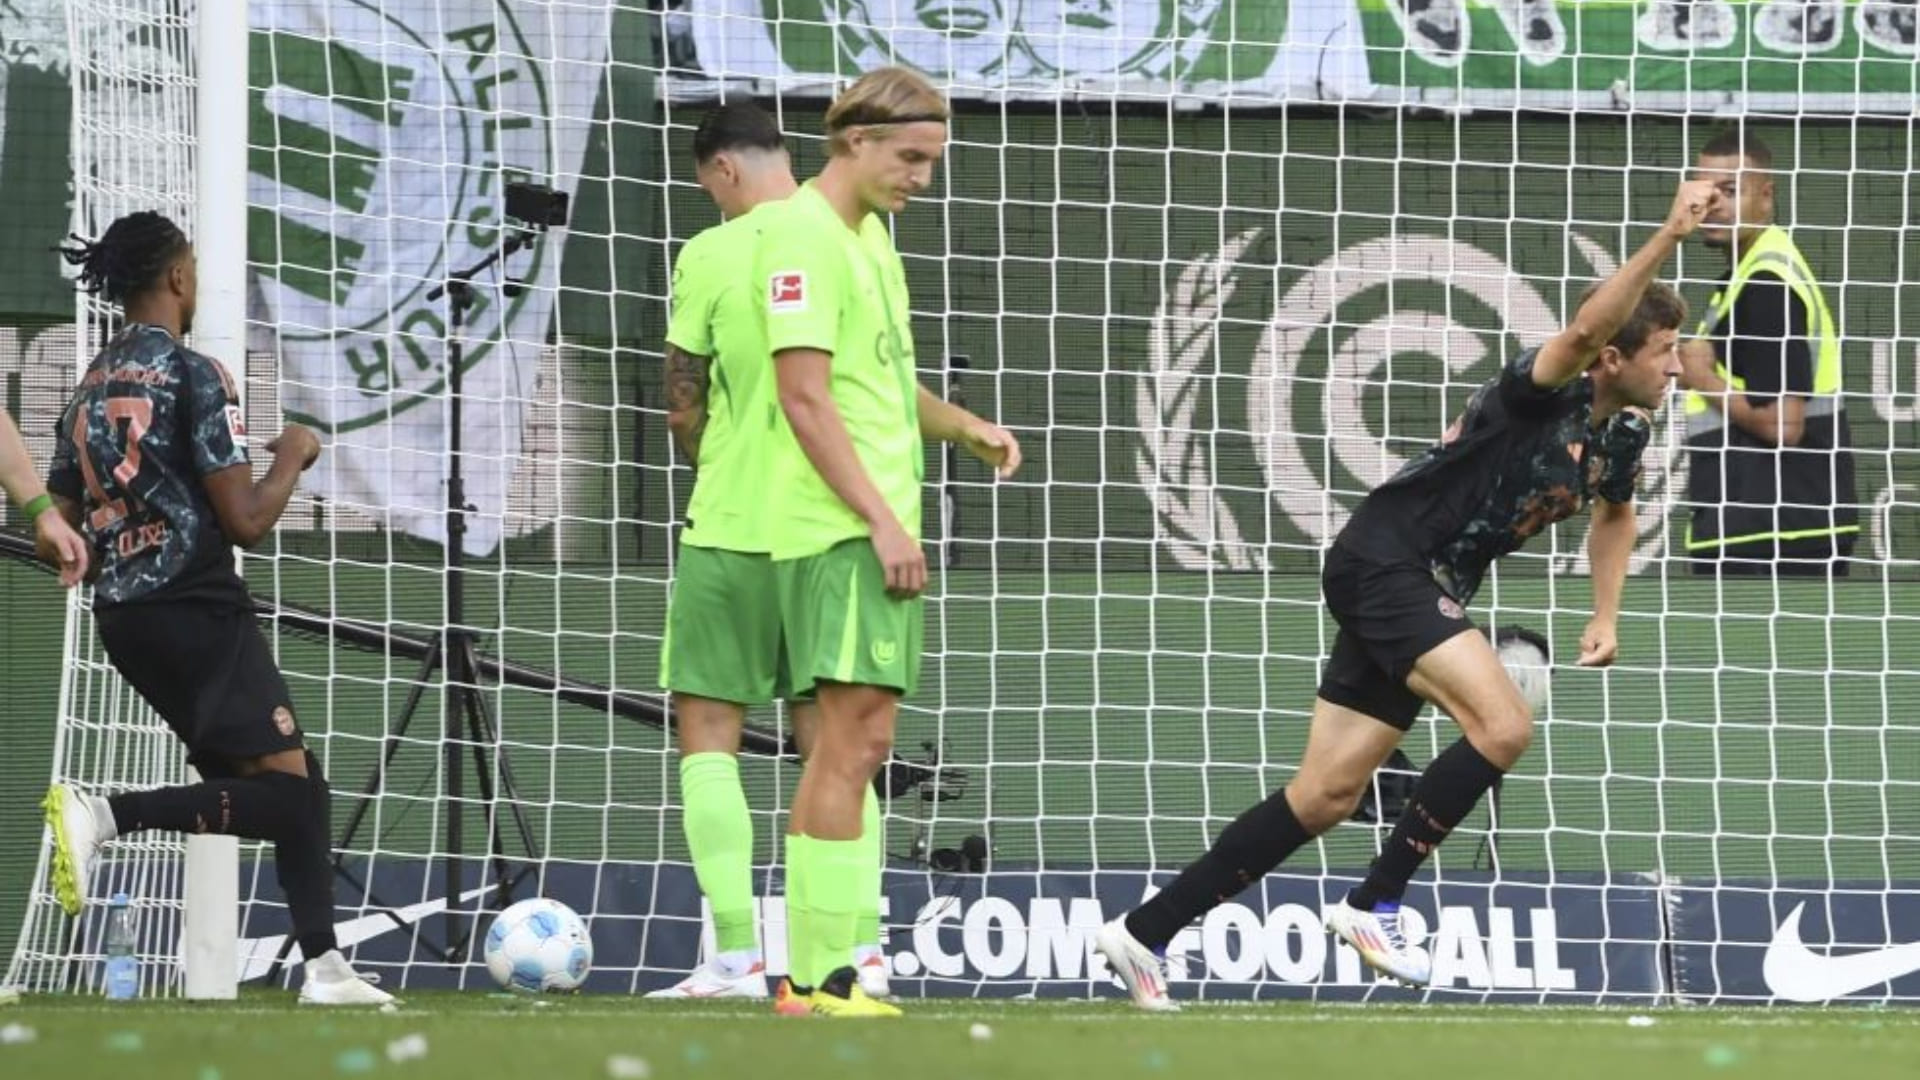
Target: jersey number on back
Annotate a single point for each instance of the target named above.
(138, 414)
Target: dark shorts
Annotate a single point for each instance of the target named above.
(207, 670)
(1390, 615)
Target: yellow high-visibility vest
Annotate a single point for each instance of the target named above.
(1775, 254)
(1772, 252)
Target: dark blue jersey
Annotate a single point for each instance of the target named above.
(1520, 458)
(149, 420)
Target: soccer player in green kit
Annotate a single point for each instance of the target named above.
(723, 649)
(845, 526)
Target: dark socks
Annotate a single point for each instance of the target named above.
(293, 812)
(1445, 794)
(1256, 842)
(266, 806)
(304, 865)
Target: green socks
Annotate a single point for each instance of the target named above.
(720, 838)
(825, 890)
(866, 922)
(833, 886)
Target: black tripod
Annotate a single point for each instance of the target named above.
(466, 721)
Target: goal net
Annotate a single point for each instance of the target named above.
(132, 149)
(1223, 265)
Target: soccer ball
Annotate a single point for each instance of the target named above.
(1524, 654)
(539, 944)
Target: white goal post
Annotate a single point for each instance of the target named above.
(210, 931)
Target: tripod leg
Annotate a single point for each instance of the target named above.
(511, 789)
(480, 737)
(390, 747)
(453, 688)
(484, 734)
(376, 781)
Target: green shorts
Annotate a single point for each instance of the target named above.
(841, 625)
(723, 629)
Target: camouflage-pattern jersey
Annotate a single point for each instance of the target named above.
(149, 420)
(1520, 458)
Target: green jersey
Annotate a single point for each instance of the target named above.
(841, 291)
(715, 315)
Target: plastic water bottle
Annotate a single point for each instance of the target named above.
(123, 967)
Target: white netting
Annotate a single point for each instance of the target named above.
(1223, 265)
(133, 149)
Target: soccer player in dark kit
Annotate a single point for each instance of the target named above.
(151, 462)
(1561, 424)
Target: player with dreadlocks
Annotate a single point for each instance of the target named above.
(151, 460)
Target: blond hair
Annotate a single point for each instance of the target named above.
(888, 95)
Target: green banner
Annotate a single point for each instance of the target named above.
(1769, 56)
(1772, 56)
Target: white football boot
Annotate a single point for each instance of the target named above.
(1143, 973)
(871, 966)
(74, 825)
(708, 981)
(1376, 936)
(332, 981)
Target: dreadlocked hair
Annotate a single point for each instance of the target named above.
(129, 258)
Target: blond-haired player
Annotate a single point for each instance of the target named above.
(845, 528)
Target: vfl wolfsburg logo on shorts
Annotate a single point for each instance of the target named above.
(1175, 40)
(383, 138)
(1264, 426)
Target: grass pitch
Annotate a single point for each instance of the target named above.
(477, 1035)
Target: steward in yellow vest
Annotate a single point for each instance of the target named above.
(1770, 464)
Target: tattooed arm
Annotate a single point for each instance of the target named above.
(687, 379)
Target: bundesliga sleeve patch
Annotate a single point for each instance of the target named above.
(236, 424)
(787, 291)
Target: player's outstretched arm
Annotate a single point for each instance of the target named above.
(55, 535)
(1569, 353)
(1609, 546)
(943, 421)
(806, 398)
(249, 511)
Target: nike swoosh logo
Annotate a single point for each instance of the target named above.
(257, 954)
(1796, 973)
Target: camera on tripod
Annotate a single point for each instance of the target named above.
(935, 782)
(929, 777)
(536, 206)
